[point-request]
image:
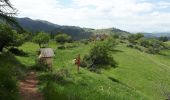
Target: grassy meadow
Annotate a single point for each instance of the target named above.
(139, 76)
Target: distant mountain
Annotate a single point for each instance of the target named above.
(156, 35)
(163, 34)
(36, 25)
(76, 32)
(149, 35)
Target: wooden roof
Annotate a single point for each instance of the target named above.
(46, 53)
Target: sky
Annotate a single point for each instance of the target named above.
(128, 15)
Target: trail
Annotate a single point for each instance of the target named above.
(28, 88)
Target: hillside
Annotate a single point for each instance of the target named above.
(76, 32)
(139, 76)
(111, 31)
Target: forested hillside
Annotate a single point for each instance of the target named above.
(76, 32)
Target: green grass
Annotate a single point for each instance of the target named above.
(10, 71)
(139, 76)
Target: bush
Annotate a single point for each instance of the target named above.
(63, 38)
(99, 57)
(152, 50)
(17, 52)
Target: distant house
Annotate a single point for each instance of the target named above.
(99, 37)
(46, 56)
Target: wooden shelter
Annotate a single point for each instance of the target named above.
(46, 56)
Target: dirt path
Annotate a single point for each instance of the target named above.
(28, 87)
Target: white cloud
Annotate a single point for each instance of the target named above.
(163, 4)
(130, 15)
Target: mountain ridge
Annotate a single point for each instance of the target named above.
(75, 31)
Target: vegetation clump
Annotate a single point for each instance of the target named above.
(41, 39)
(99, 56)
(8, 85)
(9, 37)
(152, 46)
(62, 38)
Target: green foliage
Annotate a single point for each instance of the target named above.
(134, 37)
(9, 37)
(144, 42)
(61, 47)
(100, 56)
(41, 39)
(62, 38)
(110, 43)
(152, 46)
(116, 36)
(18, 52)
(85, 41)
(10, 71)
(163, 38)
(8, 85)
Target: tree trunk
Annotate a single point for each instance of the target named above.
(40, 45)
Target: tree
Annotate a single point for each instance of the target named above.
(41, 38)
(163, 38)
(9, 37)
(62, 38)
(7, 11)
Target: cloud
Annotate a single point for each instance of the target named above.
(129, 15)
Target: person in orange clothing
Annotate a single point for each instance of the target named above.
(78, 62)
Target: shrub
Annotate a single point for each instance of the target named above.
(152, 50)
(133, 38)
(17, 52)
(99, 57)
(63, 38)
